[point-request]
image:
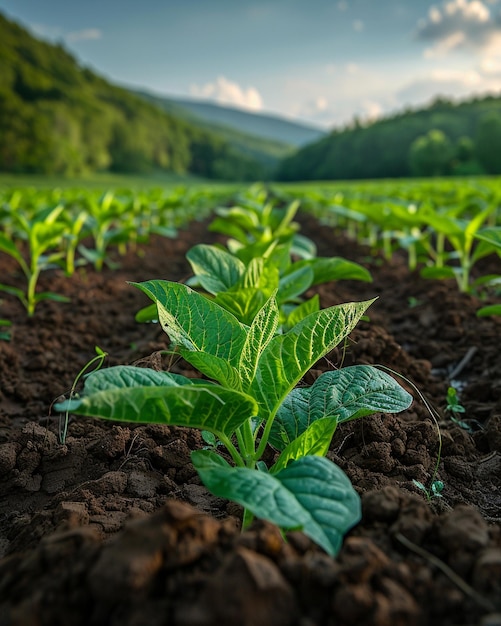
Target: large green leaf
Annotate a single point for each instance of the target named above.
(216, 269)
(195, 322)
(135, 394)
(346, 394)
(289, 356)
(311, 494)
(357, 391)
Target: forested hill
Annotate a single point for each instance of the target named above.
(262, 125)
(444, 139)
(59, 118)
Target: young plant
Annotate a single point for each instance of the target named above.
(242, 288)
(108, 225)
(42, 235)
(461, 234)
(98, 360)
(253, 401)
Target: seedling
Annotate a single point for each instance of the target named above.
(99, 359)
(42, 234)
(435, 490)
(254, 402)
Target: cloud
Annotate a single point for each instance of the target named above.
(83, 35)
(358, 26)
(458, 24)
(455, 84)
(225, 91)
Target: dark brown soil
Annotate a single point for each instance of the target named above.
(114, 527)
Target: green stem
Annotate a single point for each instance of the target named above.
(237, 459)
(265, 436)
(31, 295)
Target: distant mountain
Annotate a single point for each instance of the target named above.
(267, 151)
(57, 117)
(462, 138)
(270, 127)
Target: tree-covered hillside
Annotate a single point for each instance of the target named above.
(444, 139)
(59, 118)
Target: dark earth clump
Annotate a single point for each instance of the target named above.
(114, 527)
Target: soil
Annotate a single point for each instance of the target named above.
(114, 527)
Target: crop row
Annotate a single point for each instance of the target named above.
(251, 331)
(444, 227)
(43, 230)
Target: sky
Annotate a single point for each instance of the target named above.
(316, 61)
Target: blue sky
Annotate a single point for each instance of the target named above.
(317, 61)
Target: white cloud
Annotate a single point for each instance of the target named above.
(358, 26)
(342, 5)
(83, 35)
(457, 24)
(225, 91)
(456, 84)
(445, 45)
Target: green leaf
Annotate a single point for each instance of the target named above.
(301, 311)
(289, 356)
(295, 283)
(214, 367)
(9, 247)
(438, 272)
(490, 235)
(142, 395)
(347, 394)
(244, 304)
(303, 247)
(216, 269)
(194, 322)
(147, 314)
(311, 494)
(357, 391)
(315, 440)
(492, 309)
(49, 295)
(261, 332)
(337, 268)
(292, 418)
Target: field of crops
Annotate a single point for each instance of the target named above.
(294, 415)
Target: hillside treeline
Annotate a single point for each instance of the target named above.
(59, 118)
(443, 139)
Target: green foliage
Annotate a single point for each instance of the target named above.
(254, 372)
(431, 154)
(40, 235)
(488, 142)
(59, 118)
(380, 149)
